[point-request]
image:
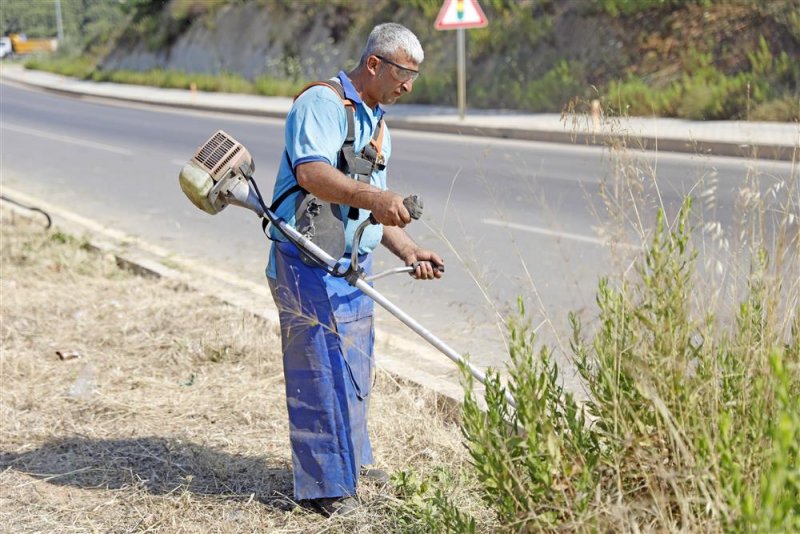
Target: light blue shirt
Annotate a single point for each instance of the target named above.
(316, 128)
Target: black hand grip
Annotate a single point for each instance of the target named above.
(413, 204)
(436, 266)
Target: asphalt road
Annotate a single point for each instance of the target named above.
(511, 218)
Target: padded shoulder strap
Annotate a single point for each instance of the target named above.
(378, 137)
(332, 83)
(360, 166)
(377, 141)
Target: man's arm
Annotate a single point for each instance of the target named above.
(329, 184)
(402, 246)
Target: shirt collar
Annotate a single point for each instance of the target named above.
(351, 93)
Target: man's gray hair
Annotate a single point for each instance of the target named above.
(389, 38)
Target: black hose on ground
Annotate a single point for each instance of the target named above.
(31, 208)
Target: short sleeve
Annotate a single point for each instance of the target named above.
(316, 127)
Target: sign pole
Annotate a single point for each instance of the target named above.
(59, 23)
(459, 15)
(462, 73)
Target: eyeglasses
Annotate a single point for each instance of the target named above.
(405, 74)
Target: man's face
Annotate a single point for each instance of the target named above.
(395, 76)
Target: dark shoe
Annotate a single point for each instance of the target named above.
(376, 476)
(339, 506)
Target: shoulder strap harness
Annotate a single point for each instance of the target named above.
(318, 220)
(359, 166)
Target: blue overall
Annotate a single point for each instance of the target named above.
(327, 337)
(327, 329)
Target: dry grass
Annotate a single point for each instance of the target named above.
(173, 418)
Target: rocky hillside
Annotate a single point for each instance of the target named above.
(709, 59)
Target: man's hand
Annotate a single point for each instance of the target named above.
(329, 184)
(402, 246)
(428, 263)
(388, 209)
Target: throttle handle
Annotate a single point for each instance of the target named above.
(413, 204)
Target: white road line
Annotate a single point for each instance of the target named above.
(65, 139)
(553, 233)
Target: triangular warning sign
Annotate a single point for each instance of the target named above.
(460, 14)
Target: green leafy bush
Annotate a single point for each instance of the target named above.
(705, 92)
(271, 86)
(616, 8)
(76, 67)
(691, 422)
(84, 68)
(554, 88)
(427, 507)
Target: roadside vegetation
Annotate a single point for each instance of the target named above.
(698, 59)
(226, 83)
(163, 418)
(689, 417)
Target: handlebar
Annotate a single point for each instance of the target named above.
(406, 269)
(413, 204)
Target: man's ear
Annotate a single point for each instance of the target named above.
(373, 63)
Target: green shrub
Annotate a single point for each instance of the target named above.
(634, 97)
(271, 86)
(427, 507)
(786, 109)
(704, 92)
(691, 423)
(84, 68)
(439, 88)
(554, 88)
(616, 8)
(76, 67)
(225, 82)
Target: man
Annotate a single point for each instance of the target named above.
(326, 324)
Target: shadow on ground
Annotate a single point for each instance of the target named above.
(157, 465)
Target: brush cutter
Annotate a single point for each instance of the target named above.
(221, 173)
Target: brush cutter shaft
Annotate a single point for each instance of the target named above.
(426, 334)
(221, 173)
(372, 293)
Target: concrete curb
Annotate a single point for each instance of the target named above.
(706, 148)
(637, 142)
(405, 360)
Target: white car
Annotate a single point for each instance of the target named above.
(5, 47)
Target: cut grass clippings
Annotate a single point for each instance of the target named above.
(172, 416)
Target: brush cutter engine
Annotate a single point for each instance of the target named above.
(218, 174)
